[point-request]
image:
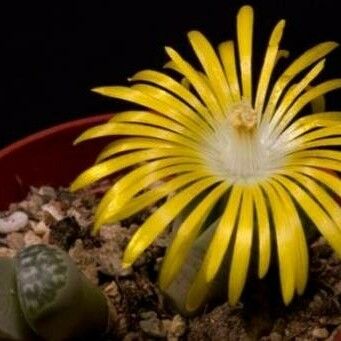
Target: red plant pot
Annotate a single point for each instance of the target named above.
(46, 158)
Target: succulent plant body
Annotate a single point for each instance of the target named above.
(48, 298)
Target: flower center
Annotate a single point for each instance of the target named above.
(236, 151)
(242, 116)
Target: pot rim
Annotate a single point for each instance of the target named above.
(40, 135)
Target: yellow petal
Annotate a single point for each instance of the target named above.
(318, 104)
(140, 202)
(299, 246)
(156, 120)
(244, 35)
(316, 162)
(303, 100)
(212, 67)
(160, 219)
(186, 234)
(189, 117)
(316, 138)
(178, 89)
(135, 129)
(316, 214)
(263, 224)
(293, 93)
(242, 248)
(222, 236)
(117, 200)
(111, 166)
(285, 241)
(319, 194)
(133, 177)
(140, 98)
(305, 60)
(198, 83)
(228, 59)
(129, 144)
(268, 66)
(310, 122)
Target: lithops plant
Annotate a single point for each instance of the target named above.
(13, 325)
(253, 147)
(56, 300)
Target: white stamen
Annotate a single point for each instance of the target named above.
(236, 150)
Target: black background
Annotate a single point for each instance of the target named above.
(55, 52)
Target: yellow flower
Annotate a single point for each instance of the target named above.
(212, 135)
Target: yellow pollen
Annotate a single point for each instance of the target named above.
(242, 116)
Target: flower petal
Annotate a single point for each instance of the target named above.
(303, 100)
(228, 59)
(242, 248)
(136, 129)
(116, 200)
(299, 247)
(140, 172)
(285, 241)
(316, 214)
(263, 225)
(222, 236)
(166, 107)
(189, 117)
(186, 234)
(198, 83)
(244, 35)
(212, 67)
(178, 89)
(144, 200)
(160, 219)
(129, 144)
(310, 122)
(270, 59)
(318, 193)
(293, 92)
(156, 120)
(305, 60)
(111, 166)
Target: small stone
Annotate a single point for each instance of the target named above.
(6, 252)
(148, 315)
(85, 261)
(320, 333)
(110, 260)
(54, 209)
(15, 240)
(112, 292)
(47, 191)
(31, 238)
(40, 228)
(82, 219)
(153, 327)
(116, 233)
(175, 328)
(14, 222)
(275, 337)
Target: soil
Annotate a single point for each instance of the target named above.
(56, 216)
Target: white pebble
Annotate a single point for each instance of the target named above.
(15, 222)
(54, 210)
